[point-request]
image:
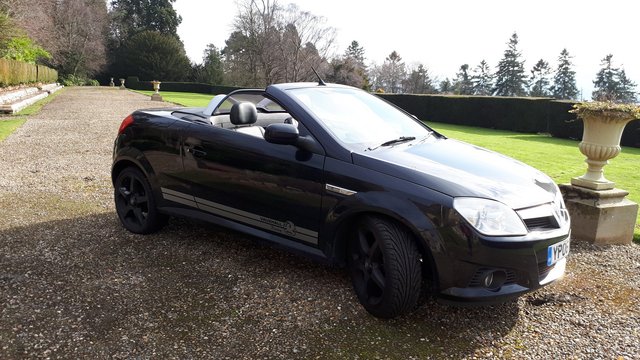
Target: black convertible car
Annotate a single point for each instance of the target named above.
(340, 175)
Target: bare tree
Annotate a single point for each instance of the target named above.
(7, 29)
(390, 75)
(72, 31)
(81, 28)
(275, 44)
(346, 70)
(257, 23)
(306, 43)
(35, 17)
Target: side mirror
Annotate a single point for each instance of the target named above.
(283, 134)
(287, 134)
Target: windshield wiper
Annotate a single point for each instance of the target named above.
(398, 140)
(394, 141)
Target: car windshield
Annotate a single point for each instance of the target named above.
(357, 117)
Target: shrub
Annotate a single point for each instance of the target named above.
(73, 80)
(24, 49)
(152, 55)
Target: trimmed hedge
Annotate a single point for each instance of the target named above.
(16, 72)
(132, 82)
(47, 75)
(521, 114)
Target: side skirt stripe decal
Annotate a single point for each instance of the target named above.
(179, 200)
(286, 228)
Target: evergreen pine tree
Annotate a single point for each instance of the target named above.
(627, 89)
(355, 55)
(564, 80)
(446, 87)
(510, 75)
(482, 79)
(419, 82)
(212, 69)
(133, 16)
(607, 82)
(462, 84)
(539, 83)
(356, 52)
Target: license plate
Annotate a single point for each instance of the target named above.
(557, 252)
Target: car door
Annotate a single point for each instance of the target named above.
(243, 178)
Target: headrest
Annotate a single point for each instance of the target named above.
(244, 113)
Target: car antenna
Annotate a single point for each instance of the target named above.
(320, 81)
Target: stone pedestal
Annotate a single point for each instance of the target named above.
(600, 216)
(156, 97)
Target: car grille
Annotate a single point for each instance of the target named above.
(541, 223)
(476, 279)
(540, 218)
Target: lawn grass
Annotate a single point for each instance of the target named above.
(182, 98)
(9, 125)
(558, 158)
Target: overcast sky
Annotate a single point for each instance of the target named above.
(446, 34)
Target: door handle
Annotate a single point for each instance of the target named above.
(195, 151)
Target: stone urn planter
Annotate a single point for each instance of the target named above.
(122, 87)
(603, 126)
(600, 213)
(156, 87)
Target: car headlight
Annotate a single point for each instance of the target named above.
(490, 217)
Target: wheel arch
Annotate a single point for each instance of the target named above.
(138, 162)
(405, 214)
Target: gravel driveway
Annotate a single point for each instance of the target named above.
(74, 284)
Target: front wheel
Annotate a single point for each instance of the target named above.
(385, 268)
(135, 203)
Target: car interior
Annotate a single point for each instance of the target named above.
(243, 117)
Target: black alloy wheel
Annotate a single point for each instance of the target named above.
(135, 204)
(385, 267)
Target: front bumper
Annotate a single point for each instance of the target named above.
(477, 295)
(524, 265)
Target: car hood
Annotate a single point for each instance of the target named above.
(459, 169)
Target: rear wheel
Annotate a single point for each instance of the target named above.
(384, 263)
(135, 203)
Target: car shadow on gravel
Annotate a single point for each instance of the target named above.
(85, 287)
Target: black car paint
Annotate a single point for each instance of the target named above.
(413, 183)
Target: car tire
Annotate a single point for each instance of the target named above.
(135, 204)
(385, 267)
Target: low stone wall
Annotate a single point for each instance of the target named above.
(15, 95)
(15, 100)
